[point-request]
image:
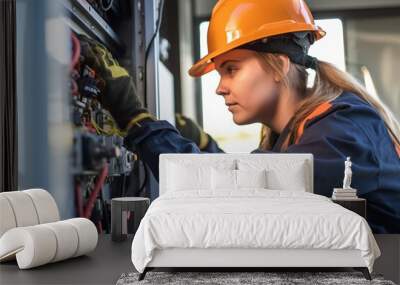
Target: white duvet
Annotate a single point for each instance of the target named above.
(253, 218)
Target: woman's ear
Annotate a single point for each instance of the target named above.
(285, 63)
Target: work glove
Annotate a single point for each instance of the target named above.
(191, 130)
(118, 94)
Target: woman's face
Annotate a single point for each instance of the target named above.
(244, 83)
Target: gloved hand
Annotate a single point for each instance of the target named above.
(118, 93)
(192, 131)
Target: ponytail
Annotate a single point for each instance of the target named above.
(344, 81)
(330, 82)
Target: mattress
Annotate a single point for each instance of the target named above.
(250, 218)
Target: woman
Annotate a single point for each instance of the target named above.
(259, 48)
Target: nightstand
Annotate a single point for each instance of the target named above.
(358, 206)
(126, 211)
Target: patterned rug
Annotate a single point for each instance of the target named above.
(230, 278)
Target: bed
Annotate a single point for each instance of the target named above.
(247, 210)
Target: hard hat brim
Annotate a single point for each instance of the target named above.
(206, 65)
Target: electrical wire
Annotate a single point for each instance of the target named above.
(74, 87)
(89, 126)
(113, 131)
(102, 131)
(95, 192)
(104, 7)
(76, 51)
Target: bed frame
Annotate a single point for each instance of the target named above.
(240, 259)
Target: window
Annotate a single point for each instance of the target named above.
(373, 53)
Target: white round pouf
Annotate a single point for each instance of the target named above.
(87, 234)
(67, 240)
(45, 205)
(7, 218)
(33, 246)
(23, 208)
(30, 230)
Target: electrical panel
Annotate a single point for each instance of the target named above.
(68, 143)
(101, 164)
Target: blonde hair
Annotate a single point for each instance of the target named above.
(329, 83)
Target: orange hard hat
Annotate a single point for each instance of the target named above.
(237, 22)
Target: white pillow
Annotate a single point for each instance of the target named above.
(189, 175)
(282, 174)
(228, 179)
(292, 179)
(184, 177)
(223, 179)
(251, 178)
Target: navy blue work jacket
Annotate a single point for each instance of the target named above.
(349, 127)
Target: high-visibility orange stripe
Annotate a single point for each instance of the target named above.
(322, 108)
(397, 146)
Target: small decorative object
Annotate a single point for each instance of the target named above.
(126, 211)
(347, 174)
(347, 192)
